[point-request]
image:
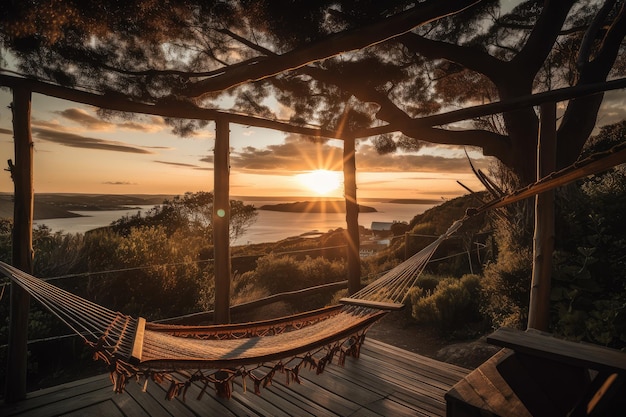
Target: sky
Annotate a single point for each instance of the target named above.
(77, 151)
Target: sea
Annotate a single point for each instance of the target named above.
(270, 226)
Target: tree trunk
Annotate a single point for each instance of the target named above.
(22, 255)
(221, 220)
(539, 307)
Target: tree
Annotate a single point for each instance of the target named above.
(189, 52)
(190, 214)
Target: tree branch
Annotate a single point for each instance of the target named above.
(518, 26)
(388, 111)
(575, 125)
(539, 44)
(471, 58)
(331, 46)
(586, 44)
(492, 144)
(517, 103)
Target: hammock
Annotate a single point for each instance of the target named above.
(216, 355)
(134, 348)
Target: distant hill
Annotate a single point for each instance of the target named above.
(438, 219)
(337, 206)
(414, 201)
(42, 210)
(95, 202)
(61, 205)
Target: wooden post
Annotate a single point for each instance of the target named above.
(539, 306)
(221, 220)
(22, 256)
(352, 215)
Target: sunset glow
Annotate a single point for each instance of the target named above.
(321, 181)
(78, 151)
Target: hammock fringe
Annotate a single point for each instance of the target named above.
(222, 381)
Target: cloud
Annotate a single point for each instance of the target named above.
(144, 124)
(78, 141)
(119, 183)
(368, 159)
(178, 164)
(613, 109)
(87, 119)
(83, 118)
(300, 154)
(51, 125)
(295, 154)
(161, 148)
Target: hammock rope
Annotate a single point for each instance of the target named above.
(393, 287)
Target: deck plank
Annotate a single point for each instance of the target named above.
(384, 381)
(104, 408)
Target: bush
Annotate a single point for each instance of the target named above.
(284, 273)
(451, 305)
(505, 289)
(155, 276)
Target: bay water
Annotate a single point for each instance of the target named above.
(270, 226)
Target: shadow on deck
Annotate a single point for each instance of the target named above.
(384, 381)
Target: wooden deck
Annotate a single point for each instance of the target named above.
(384, 381)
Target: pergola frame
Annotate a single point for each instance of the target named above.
(24, 196)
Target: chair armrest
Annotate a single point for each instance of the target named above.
(546, 346)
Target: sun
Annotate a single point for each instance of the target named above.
(321, 181)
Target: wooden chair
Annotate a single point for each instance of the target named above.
(540, 375)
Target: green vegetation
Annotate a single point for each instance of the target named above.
(450, 304)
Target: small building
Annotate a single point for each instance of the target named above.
(381, 229)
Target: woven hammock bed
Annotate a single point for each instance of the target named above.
(216, 355)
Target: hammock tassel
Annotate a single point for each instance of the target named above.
(222, 384)
(295, 374)
(172, 392)
(243, 382)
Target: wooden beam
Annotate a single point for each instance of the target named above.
(467, 113)
(186, 110)
(352, 216)
(288, 296)
(596, 163)
(137, 351)
(543, 241)
(380, 305)
(181, 109)
(22, 254)
(221, 221)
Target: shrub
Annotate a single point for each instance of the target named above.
(155, 276)
(451, 305)
(505, 289)
(283, 273)
(428, 282)
(277, 273)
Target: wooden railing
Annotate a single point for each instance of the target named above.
(207, 316)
